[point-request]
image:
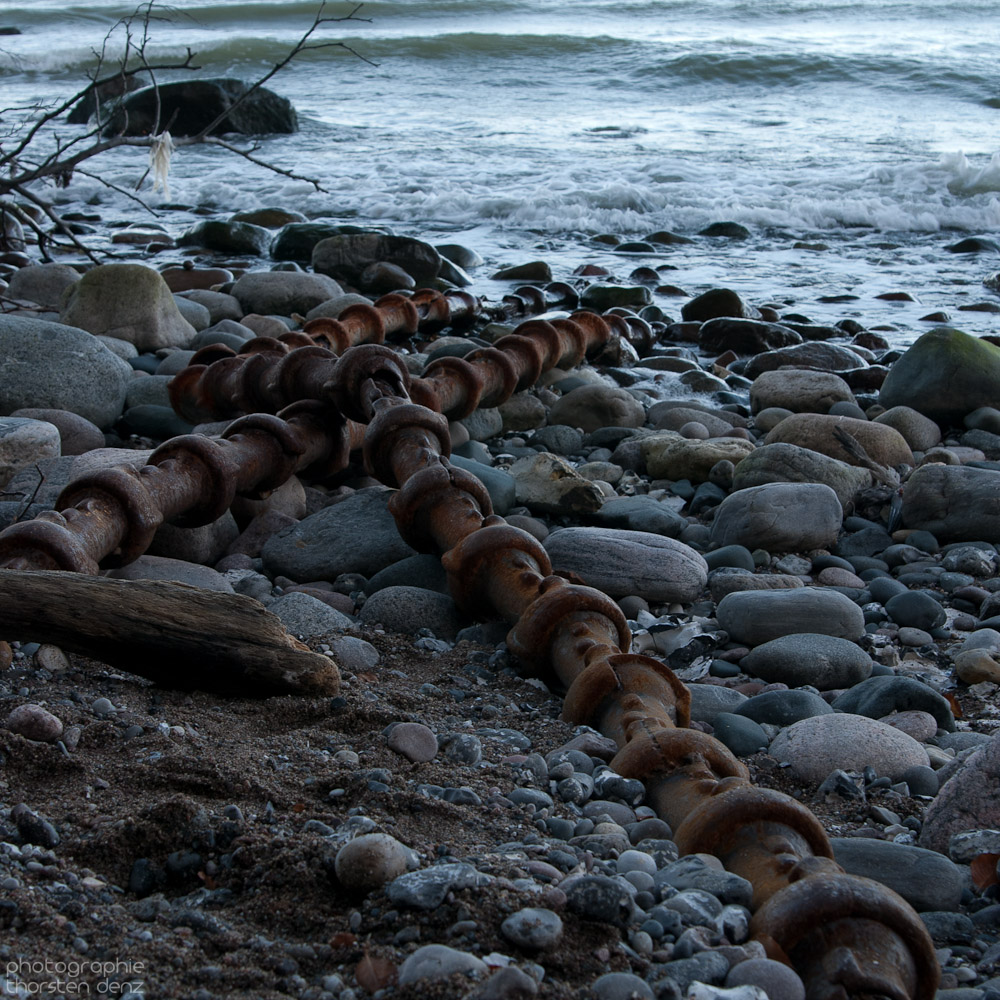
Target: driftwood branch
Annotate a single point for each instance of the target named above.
(176, 635)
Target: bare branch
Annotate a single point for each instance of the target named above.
(247, 155)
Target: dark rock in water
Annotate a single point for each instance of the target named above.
(814, 354)
(190, 106)
(297, 240)
(729, 230)
(744, 336)
(228, 237)
(945, 375)
(345, 257)
(714, 303)
(107, 90)
(973, 244)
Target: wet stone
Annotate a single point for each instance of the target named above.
(533, 929)
(414, 741)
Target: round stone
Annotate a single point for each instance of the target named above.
(815, 747)
(777, 980)
(621, 986)
(922, 726)
(635, 861)
(438, 961)
(370, 861)
(977, 665)
(414, 741)
(533, 929)
(824, 661)
(34, 723)
(916, 609)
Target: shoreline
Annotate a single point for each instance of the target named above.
(227, 841)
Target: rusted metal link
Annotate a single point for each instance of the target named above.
(109, 518)
(268, 375)
(848, 937)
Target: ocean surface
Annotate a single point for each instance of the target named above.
(525, 128)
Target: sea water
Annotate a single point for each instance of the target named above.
(525, 128)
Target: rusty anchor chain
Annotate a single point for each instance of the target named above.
(847, 937)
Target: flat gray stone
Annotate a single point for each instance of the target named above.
(438, 961)
(758, 616)
(406, 610)
(621, 562)
(925, 879)
(357, 535)
(823, 661)
(815, 747)
(307, 617)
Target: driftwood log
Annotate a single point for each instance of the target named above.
(171, 633)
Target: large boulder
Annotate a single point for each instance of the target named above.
(956, 503)
(283, 292)
(130, 302)
(779, 517)
(297, 240)
(788, 463)
(190, 106)
(621, 563)
(345, 257)
(52, 366)
(944, 375)
(815, 431)
(228, 237)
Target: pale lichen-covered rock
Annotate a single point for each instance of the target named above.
(130, 302)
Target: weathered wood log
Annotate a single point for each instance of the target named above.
(176, 635)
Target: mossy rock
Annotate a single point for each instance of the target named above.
(945, 375)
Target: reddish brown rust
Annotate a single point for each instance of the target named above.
(846, 936)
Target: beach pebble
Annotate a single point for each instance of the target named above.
(426, 889)
(307, 617)
(702, 991)
(921, 780)
(43, 284)
(414, 741)
(823, 661)
(708, 700)
(533, 929)
(966, 847)
(756, 617)
(706, 970)
(926, 879)
(624, 563)
(953, 502)
(621, 986)
(33, 828)
(24, 441)
(783, 708)
(548, 484)
(595, 897)
(508, 983)
(592, 406)
(799, 390)
(977, 665)
(879, 696)
(776, 979)
(668, 455)
(920, 432)
(34, 723)
(741, 735)
(438, 961)
(369, 861)
(916, 609)
(814, 747)
(406, 610)
(922, 726)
